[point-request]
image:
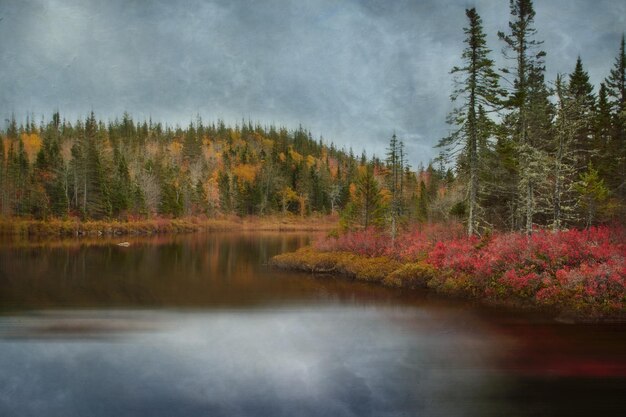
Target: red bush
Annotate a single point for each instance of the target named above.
(583, 269)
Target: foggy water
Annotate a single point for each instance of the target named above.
(198, 325)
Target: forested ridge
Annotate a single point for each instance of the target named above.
(523, 152)
(129, 169)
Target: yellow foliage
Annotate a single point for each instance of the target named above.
(385, 195)
(32, 145)
(267, 144)
(288, 194)
(359, 267)
(310, 161)
(246, 172)
(175, 148)
(295, 156)
(282, 157)
(411, 275)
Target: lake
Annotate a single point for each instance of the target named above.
(199, 325)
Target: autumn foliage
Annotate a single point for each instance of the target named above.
(578, 270)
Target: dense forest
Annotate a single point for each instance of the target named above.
(522, 153)
(125, 169)
(530, 152)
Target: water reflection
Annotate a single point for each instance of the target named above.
(352, 361)
(197, 270)
(198, 325)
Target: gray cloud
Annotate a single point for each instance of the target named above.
(352, 71)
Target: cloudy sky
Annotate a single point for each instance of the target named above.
(352, 70)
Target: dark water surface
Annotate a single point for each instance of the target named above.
(198, 325)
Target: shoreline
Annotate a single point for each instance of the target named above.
(158, 226)
(411, 276)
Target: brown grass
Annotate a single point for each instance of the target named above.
(76, 227)
(344, 263)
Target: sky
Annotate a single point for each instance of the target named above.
(352, 71)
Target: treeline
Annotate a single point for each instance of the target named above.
(522, 152)
(127, 170)
(528, 152)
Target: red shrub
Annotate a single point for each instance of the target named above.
(370, 242)
(583, 269)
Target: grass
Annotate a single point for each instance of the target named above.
(371, 269)
(156, 226)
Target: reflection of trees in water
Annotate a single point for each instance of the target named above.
(199, 269)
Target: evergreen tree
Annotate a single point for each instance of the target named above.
(3, 180)
(477, 85)
(616, 89)
(581, 90)
(368, 197)
(566, 152)
(603, 142)
(593, 193)
(529, 107)
(395, 172)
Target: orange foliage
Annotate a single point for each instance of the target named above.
(353, 191)
(333, 166)
(175, 148)
(7, 145)
(295, 156)
(212, 190)
(246, 172)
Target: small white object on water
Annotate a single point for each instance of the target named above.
(124, 244)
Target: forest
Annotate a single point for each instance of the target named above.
(531, 212)
(523, 153)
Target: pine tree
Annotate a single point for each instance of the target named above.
(395, 170)
(604, 156)
(19, 176)
(593, 193)
(12, 131)
(616, 89)
(477, 85)
(566, 152)
(422, 203)
(581, 90)
(528, 104)
(3, 180)
(366, 206)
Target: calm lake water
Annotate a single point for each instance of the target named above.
(198, 325)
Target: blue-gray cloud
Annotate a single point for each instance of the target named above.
(352, 71)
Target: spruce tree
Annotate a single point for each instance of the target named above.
(566, 153)
(529, 107)
(604, 156)
(616, 89)
(3, 180)
(581, 90)
(477, 88)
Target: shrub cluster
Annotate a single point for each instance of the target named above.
(579, 270)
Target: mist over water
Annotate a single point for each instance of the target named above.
(198, 325)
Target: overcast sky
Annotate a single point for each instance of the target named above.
(351, 71)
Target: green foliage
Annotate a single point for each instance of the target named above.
(125, 169)
(593, 193)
